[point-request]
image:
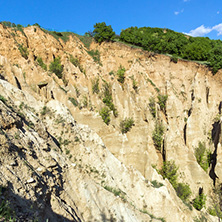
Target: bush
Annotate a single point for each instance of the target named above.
(56, 67)
(41, 63)
(152, 107)
(73, 101)
(102, 32)
(121, 74)
(157, 135)
(183, 191)
(199, 201)
(169, 171)
(126, 125)
(24, 51)
(3, 99)
(203, 156)
(105, 114)
(162, 102)
(95, 85)
(107, 98)
(156, 184)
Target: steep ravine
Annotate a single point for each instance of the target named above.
(90, 170)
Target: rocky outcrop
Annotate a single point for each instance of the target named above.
(62, 162)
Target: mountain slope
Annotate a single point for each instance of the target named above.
(93, 171)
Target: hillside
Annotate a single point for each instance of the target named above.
(61, 161)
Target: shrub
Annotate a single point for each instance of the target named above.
(152, 107)
(45, 110)
(24, 51)
(156, 184)
(73, 101)
(199, 201)
(162, 102)
(105, 114)
(3, 99)
(102, 32)
(183, 191)
(203, 156)
(121, 74)
(41, 63)
(95, 85)
(174, 58)
(135, 85)
(157, 135)
(126, 125)
(107, 98)
(169, 171)
(56, 67)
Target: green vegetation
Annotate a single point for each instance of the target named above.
(95, 55)
(169, 171)
(152, 106)
(183, 191)
(41, 63)
(126, 125)
(102, 32)
(45, 110)
(107, 98)
(76, 63)
(203, 156)
(176, 44)
(6, 213)
(116, 192)
(105, 114)
(199, 201)
(56, 67)
(156, 184)
(95, 85)
(3, 99)
(157, 135)
(73, 101)
(162, 102)
(121, 74)
(24, 51)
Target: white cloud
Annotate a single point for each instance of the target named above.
(218, 12)
(200, 31)
(186, 0)
(178, 12)
(218, 28)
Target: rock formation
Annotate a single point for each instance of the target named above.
(61, 162)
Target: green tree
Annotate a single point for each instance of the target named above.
(102, 32)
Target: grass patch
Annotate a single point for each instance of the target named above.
(95, 55)
(41, 63)
(24, 51)
(3, 99)
(73, 101)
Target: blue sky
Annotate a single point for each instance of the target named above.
(195, 17)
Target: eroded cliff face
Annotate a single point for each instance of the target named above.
(62, 162)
